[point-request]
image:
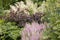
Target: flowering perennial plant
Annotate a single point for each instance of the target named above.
(22, 13)
(33, 31)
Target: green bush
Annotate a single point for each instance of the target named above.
(53, 18)
(9, 31)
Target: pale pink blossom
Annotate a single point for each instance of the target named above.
(33, 31)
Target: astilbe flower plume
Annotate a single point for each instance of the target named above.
(33, 31)
(21, 13)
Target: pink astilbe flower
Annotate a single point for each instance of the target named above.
(33, 31)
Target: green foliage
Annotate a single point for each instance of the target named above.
(9, 31)
(5, 3)
(53, 16)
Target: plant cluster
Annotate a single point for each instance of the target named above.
(32, 16)
(53, 17)
(22, 13)
(9, 31)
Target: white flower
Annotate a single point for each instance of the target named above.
(13, 8)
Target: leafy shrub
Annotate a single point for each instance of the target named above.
(9, 31)
(53, 16)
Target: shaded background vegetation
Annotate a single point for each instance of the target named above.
(4, 4)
